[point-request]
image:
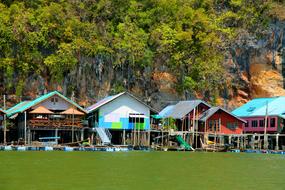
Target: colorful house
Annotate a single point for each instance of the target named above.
(255, 112)
(49, 116)
(124, 116)
(218, 120)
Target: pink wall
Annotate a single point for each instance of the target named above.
(258, 128)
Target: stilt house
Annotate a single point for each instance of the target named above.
(220, 121)
(49, 116)
(121, 119)
(256, 111)
(185, 113)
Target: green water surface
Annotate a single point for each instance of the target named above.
(140, 170)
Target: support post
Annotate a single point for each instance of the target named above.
(124, 137)
(25, 128)
(149, 137)
(238, 142)
(193, 134)
(56, 134)
(82, 135)
(253, 142)
(5, 127)
(29, 136)
(277, 142)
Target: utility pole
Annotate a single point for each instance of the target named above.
(265, 128)
(72, 98)
(5, 128)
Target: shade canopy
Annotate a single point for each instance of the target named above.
(137, 116)
(157, 116)
(72, 111)
(41, 110)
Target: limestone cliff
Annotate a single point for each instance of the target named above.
(254, 68)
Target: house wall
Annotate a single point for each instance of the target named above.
(250, 128)
(115, 114)
(224, 119)
(60, 105)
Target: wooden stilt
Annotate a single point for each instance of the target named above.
(149, 137)
(238, 142)
(253, 142)
(56, 135)
(124, 137)
(277, 142)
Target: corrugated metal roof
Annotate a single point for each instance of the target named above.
(182, 108)
(166, 111)
(22, 106)
(257, 107)
(207, 114)
(111, 98)
(102, 102)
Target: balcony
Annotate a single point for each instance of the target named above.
(50, 123)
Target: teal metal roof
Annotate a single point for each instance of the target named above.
(22, 106)
(257, 107)
(166, 111)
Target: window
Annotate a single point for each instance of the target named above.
(54, 100)
(232, 125)
(214, 125)
(246, 124)
(254, 123)
(136, 118)
(261, 123)
(272, 122)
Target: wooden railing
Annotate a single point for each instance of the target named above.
(55, 123)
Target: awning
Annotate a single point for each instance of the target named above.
(41, 110)
(137, 116)
(156, 116)
(72, 111)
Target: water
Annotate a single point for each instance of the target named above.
(140, 170)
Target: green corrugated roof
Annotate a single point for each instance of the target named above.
(22, 106)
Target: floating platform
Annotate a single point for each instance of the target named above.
(68, 149)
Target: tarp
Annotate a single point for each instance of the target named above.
(156, 116)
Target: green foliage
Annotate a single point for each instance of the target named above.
(169, 123)
(188, 36)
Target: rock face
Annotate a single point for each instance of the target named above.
(254, 68)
